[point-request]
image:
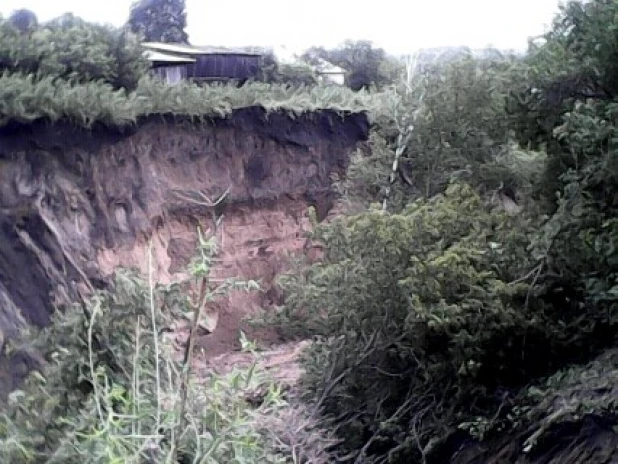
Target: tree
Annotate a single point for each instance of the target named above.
(569, 107)
(571, 72)
(160, 20)
(70, 48)
(365, 65)
(448, 121)
(446, 315)
(24, 20)
(411, 310)
(290, 74)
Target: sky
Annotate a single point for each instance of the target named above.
(399, 26)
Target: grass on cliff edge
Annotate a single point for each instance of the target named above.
(86, 73)
(26, 98)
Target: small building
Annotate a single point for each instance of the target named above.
(170, 68)
(174, 62)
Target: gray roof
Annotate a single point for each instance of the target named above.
(183, 49)
(152, 55)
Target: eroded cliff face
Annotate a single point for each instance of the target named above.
(75, 205)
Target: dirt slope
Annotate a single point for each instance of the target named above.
(76, 204)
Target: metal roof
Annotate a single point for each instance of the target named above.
(195, 50)
(152, 55)
(173, 48)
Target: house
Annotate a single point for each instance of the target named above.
(169, 67)
(175, 62)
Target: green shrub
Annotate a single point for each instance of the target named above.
(449, 315)
(112, 390)
(293, 74)
(72, 49)
(367, 179)
(27, 98)
(423, 318)
(568, 105)
(444, 122)
(84, 73)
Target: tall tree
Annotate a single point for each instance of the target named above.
(160, 20)
(24, 20)
(70, 48)
(365, 65)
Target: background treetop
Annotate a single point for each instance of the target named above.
(160, 20)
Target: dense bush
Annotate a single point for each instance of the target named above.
(421, 321)
(294, 74)
(160, 20)
(113, 391)
(570, 107)
(426, 318)
(26, 98)
(447, 315)
(364, 64)
(72, 49)
(571, 73)
(452, 116)
(446, 123)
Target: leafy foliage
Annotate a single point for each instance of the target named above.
(577, 89)
(572, 70)
(112, 390)
(26, 98)
(447, 122)
(419, 308)
(295, 74)
(71, 49)
(570, 394)
(445, 315)
(367, 178)
(424, 318)
(365, 65)
(160, 20)
(25, 21)
(458, 122)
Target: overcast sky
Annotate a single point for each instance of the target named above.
(397, 25)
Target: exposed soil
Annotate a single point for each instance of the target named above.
(75, 205)
(280, 361)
